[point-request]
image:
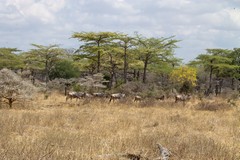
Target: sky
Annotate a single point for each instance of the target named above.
(199, 24)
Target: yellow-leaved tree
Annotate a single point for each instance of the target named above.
(184, 77)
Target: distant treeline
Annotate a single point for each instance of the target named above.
(123, 58)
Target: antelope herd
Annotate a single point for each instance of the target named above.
(118, 96)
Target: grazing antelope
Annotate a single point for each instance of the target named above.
(162, 97)
(182, 98)
(99, 95)
(71, 95)
(88, 95)
(137, 98)
(116, 96)
(76, 95)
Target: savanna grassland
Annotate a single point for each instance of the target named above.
(94, 129)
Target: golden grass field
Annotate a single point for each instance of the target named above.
(95, 129)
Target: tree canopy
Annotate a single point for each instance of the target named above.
(122, 58)
(43, 58)
(9, 58)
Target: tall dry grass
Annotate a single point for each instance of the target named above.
(95, 129)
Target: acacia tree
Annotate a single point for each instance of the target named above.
(126, 43)
(43, 58)
(215, 61)
(234, 73)
(93, 45)
(9, 58)
(152, 50)
(13, 88)
(113, 61)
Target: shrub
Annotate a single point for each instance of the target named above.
(64, 69)
(14, 88)
(185, 78)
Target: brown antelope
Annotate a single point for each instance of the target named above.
(88, 95)
(99, 95)
(76, 95)
(116, 96)
(137, 98)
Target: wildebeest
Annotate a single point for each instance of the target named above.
(88, 95)
(76, 95)
(182, 98)
(116, 96)
(137, 98)
(162, 97)
(99, 95)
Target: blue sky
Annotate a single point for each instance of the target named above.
(199, 24)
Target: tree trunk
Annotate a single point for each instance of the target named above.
(134, 73)
(112, 73)
(98, 56)
(209, 90)
(138, 75)
(144, 73)
(145, 69)
(210, 77)
(110, 81)
(10, 102)
(221, 86)
(32, 77)
(46, 70)
(98, 61)
(47, 77)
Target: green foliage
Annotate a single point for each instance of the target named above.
(78, 88)
(235, 56)
(218, 61)
(94, 45)
(127, 43)
(43, 58)
(111, 53)
(154, 51)
(9, 58)
(161, 67)
(64, 69)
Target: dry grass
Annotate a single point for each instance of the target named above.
(55, 129)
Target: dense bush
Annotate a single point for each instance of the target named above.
(64, 69)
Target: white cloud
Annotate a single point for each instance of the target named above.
(123, 5)
(173, 3)
(199, 24)
(234, 15)
(38, 11)
(43, 10)
(54, 5)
